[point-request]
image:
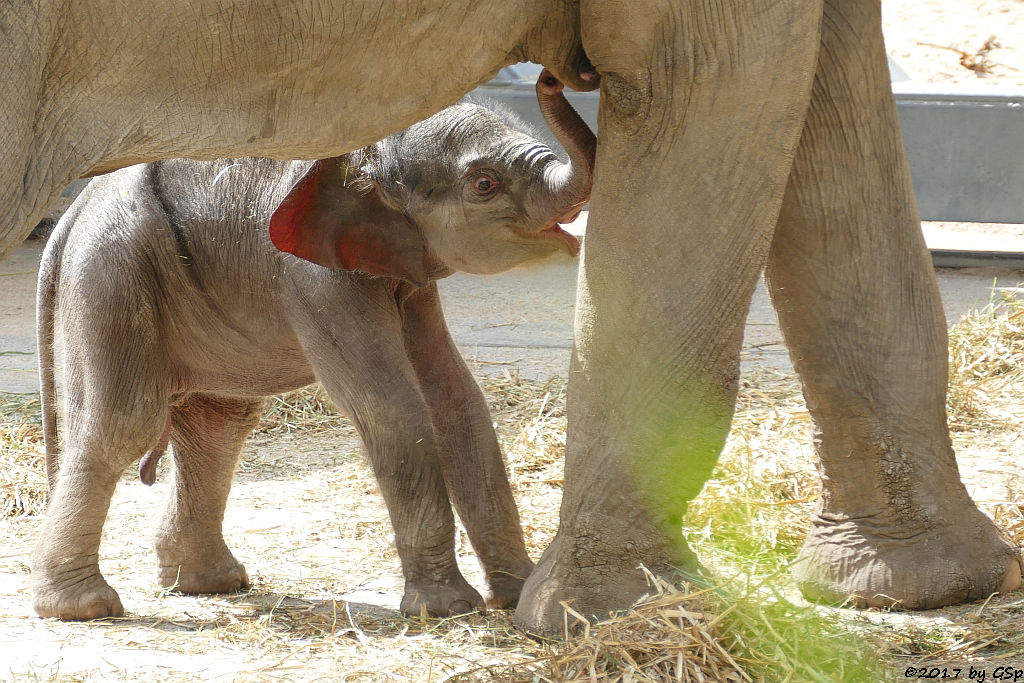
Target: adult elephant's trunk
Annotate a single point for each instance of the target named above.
(569, 183)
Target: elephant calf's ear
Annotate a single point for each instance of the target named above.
(332, 221)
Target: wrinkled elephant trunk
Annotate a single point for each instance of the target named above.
(569, 183)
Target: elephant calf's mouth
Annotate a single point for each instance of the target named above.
(556, 231)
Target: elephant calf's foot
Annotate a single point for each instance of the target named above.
(224, 574)
(76, 596)
(856, 561)
(504, 588)
(446, 599)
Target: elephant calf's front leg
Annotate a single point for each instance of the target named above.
(469, 451)
(403, 452)
(374, 383)
(207, 434)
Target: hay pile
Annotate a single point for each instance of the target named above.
(22, 458)
(986, 358)
(669, 637)
(308, 409)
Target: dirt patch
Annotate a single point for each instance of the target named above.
(973, 42)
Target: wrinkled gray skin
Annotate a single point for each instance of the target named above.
(737, 137)
(178, 316)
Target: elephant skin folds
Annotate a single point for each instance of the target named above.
(855, 563)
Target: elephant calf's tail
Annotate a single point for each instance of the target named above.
(46, 303)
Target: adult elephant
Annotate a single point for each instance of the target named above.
(750, 136)
(736, 135)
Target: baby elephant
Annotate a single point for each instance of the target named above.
(178, 315)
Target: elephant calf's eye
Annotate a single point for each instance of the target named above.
(485, 185)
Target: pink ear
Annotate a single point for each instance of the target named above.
(333, 222)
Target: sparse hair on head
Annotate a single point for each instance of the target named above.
(504, 112)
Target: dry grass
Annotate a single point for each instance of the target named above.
(979, 60)
(530, 421)
(667, 637)
(986, 357)
(308, 409)
(747, 526)
(755, 508)
(22, 459)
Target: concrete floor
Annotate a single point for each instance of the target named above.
(521, 320)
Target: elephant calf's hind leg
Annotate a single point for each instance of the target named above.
(115, 416)
(66, 579)
(207, 434)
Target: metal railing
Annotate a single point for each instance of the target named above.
(965, 146)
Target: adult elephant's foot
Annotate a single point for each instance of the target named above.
(959, 560)
(440, 599)
(593, 578)
(215, 571)
(78, 595)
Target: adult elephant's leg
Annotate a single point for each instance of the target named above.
(701, 110)
(857, 299)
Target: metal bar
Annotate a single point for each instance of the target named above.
(966, 151)
(955, 258)
(965, 145)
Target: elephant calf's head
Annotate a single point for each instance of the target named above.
(466, 189)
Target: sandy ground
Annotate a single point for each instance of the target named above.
(928, 38)
(303, 513)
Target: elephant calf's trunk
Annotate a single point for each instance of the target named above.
(573, 183)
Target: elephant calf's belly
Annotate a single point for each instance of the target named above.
(253, 375)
